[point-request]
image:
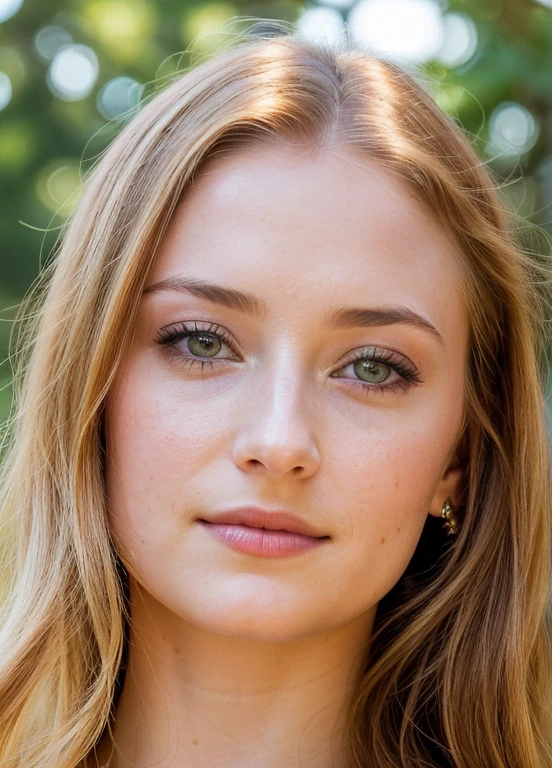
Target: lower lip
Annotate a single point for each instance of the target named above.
(260, 541)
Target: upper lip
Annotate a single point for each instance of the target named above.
(255, 517)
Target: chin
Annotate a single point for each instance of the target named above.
(258, 626)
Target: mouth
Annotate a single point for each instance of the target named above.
(269, 521)
(261, 528)
(262, 542)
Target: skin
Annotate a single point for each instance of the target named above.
(237, 659)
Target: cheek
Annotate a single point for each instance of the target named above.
(381, 503)
(163, 442)
(388, 463)
(385, 499)
(155, 436)
(387, 488)
(144, 460)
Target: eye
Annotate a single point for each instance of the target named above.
(380, 370)
(180, 341)
(372, 372)
(203, 344)
(377, 370)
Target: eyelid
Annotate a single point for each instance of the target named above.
(401, 365)
(383, 354)
(171, 330)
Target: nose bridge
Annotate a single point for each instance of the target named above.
(278, 430)
(281, 397)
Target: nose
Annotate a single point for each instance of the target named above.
(276, 432)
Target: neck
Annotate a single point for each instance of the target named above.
(193, 698)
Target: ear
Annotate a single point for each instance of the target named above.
(451, 483)
(449, 486)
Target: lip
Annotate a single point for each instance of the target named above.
(255, 517)
(260, 541)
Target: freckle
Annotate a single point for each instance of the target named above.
(163, 637)
(176, 650)
(399, 529)
(142, 541)
(383, 540)
(194, 741)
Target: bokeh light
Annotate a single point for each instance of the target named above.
(321, 22)
(119, 96)
(73, 72)
(451, 98)
(124, 27)
(14, 65)
(206, 26)
(58, 186)
(404, 30)
(5, 90)
(49, 40)
(9, 8)
(460, 40)
(512, 130)
(343, 4)
(18, 144)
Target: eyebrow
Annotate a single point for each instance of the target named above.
(339, 318)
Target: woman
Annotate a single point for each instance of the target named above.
(289, 298)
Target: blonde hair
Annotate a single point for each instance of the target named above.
(460, 663)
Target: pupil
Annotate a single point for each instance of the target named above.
(209, 345)
(375, 373)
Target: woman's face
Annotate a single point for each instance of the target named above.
(348, 424)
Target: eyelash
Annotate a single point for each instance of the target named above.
(169, 336)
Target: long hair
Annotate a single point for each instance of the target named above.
(459, 669)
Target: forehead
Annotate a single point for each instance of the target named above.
(286, 222)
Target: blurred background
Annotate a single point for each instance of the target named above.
(71, 72)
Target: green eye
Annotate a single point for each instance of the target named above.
(371, 371)
(204, 344)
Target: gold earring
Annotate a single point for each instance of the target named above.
(447, 512)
